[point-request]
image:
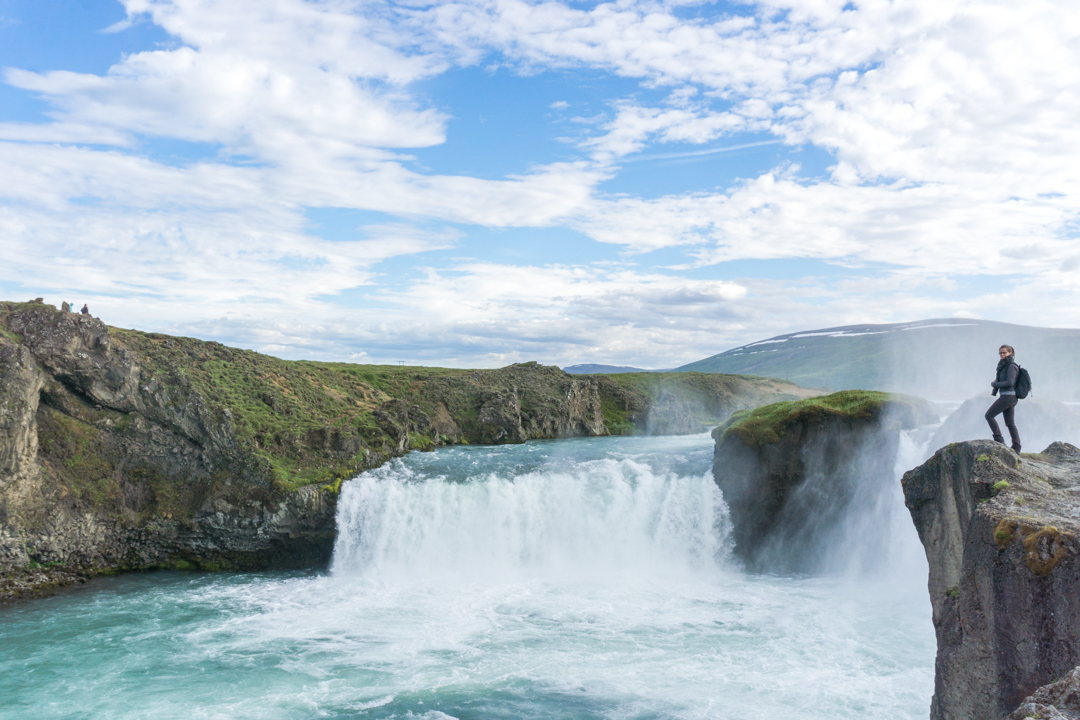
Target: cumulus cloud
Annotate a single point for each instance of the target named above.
(634, 126)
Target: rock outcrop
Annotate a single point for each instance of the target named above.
(1057, 701)
(795, 474)
(1001, 536)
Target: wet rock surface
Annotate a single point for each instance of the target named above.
(1000, 532)
(29, 583)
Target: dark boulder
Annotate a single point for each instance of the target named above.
(1059, 700)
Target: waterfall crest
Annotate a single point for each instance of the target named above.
(600, 517)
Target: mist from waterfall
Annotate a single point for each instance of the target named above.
(876, 538)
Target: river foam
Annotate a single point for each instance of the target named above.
(571, 579)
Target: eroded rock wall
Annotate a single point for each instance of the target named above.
(104, 469)
(788, 500)
(808, 498)
(20, 477)
(1000, 534)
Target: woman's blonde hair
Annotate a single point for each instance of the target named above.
(1007, 347)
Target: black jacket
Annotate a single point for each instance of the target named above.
(1007, 370)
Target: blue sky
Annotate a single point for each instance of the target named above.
(478, 183)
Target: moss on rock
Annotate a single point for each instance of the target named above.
(769, 423)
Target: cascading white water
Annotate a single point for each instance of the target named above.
(600, 517)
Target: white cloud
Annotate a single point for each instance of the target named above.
(635, 126)
(198, 261)
(771, 52)
(933, 229)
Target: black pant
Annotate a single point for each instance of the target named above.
(1004, 405)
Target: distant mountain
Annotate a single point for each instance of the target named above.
(936, 359)
(590, 369)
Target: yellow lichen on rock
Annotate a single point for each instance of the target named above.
(1045, 547)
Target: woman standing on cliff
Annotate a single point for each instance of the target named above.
(1005, 383)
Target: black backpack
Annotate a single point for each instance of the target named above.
(1023, 384)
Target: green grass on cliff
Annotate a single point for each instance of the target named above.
(767, 424)
(289, 410)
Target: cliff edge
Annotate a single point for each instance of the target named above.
(1000, 534)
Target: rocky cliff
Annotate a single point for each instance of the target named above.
(1060, 700)
(124, 450)
(802, 479)
(1000, 533)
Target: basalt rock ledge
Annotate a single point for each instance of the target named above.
(1000, 532)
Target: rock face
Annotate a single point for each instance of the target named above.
(1057, 701)
(802, 480)
(1000, 533)
(103, 467)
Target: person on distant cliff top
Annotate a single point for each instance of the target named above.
(1005, 383)
(85, 310)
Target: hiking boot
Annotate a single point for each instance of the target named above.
(1000, 439)
(1016, 448)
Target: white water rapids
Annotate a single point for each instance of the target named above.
(568, 579)
(598, 518)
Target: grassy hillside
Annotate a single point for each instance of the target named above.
(669, 403)
(593, 369)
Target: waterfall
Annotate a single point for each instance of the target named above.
(876, 538)
(596, 518)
